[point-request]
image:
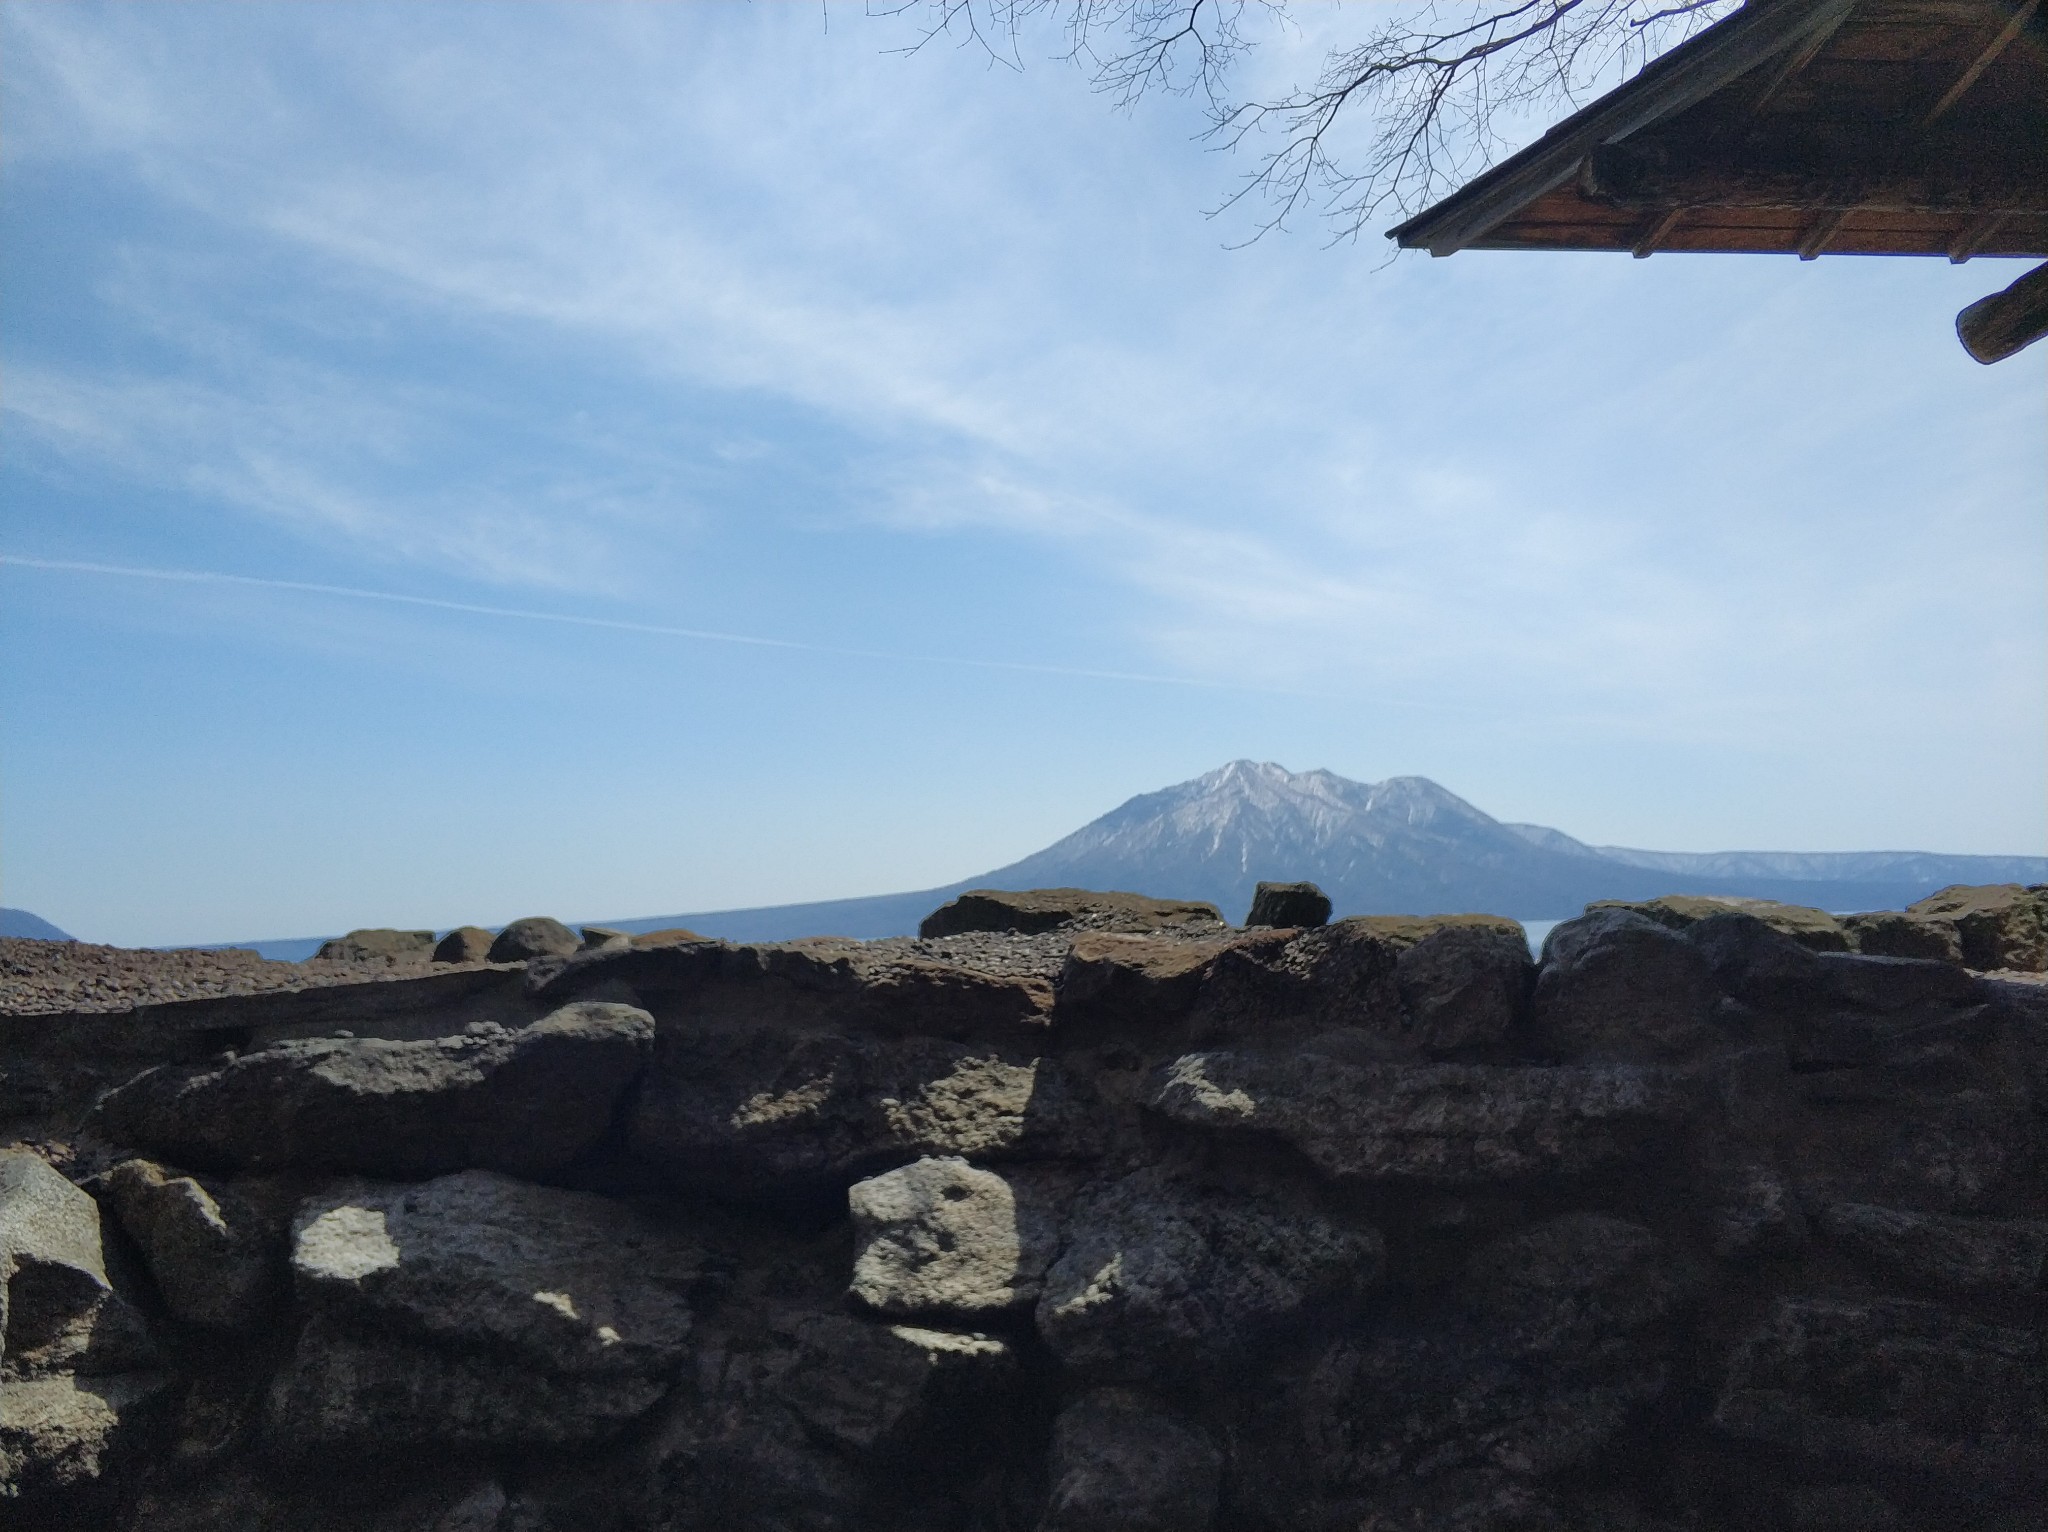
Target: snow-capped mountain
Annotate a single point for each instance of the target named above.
(1402, 846)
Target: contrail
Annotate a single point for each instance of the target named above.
(618, 625)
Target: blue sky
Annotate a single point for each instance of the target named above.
(645, 318)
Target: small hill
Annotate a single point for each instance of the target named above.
(20, 923)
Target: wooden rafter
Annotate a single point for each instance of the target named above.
(1983, 61)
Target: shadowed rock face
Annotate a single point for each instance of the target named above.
(1371, 1225)
(528, 1100)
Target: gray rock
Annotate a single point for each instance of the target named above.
(1443, 1125)
(1464, 986)
(1288, 904)
(1893, 1392)
(1933, 1253)
(758, 1112)
(1159, 1278)
(602, 939)
(941, 1237)
(478, 1310)
(529, 1100)
(58, 1310)
(1049, 909)
(378, 945)
(1617, 987)
(64, 1433)
(1124, 1463)
(536, 936)
(207, 1249)
(465, 944)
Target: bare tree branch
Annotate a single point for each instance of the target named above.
(1436, 88)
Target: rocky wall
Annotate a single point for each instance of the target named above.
(1367, 1226)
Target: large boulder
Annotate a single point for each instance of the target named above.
(481, 1311)
(940, 1237)
(1464, 986)
(464, 944)
(742, 1112)
(1619, 987)
(1122, 1462)
(1288, 904)
(1162, 1278)
(1999, 925)
(529, 1100)
(1905, 1394)
(1054, 909)
(379, 945)
(208, 1249)
(1286, 984)
(536, 936)
(1437, 1125)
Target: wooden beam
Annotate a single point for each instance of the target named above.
(1971, 237)
(1689, 73)
(1938, 177)
(1659, 230)
(1983, 61)
(1818, 233)
(1993, 328)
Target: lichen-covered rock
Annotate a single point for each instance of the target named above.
(536, 936)
(528, 1100)
(940, 1237)
(1160, 1278)
(379, 945)
(756, 1112)
(1288, 904)
(1999, 925)
(208, 1249)
(1049, 909)
(478, 1310)
(1618, 987)
(1122, 1462)
(1898, 1392)
(1441, 1125)
(1946, 1256)
(1816, 930)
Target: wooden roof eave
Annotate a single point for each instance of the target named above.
(1689, 73)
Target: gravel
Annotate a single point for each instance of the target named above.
(39, 977)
